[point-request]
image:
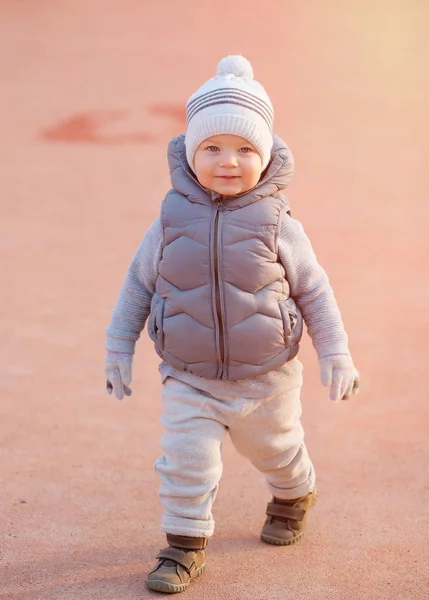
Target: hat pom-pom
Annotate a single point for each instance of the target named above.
(235, 65)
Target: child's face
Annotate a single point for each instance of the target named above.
(227, 164)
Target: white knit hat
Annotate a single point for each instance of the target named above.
(232, 102)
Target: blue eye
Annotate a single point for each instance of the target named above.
(245, 150)
(212, 148)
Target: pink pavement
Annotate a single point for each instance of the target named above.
(91, 92)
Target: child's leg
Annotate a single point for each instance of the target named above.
(190, 466)
(189, 469)
(272, 438)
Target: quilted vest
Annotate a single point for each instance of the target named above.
(222, 306)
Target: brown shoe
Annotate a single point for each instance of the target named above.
(286, 519)
(177, 567)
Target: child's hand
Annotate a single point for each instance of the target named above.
(118, 371)
(339, 373)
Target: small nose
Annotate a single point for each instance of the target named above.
(228, 159)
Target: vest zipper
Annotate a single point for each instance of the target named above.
(219, 208)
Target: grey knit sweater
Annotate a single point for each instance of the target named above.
(309, 287)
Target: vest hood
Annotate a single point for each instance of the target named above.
(275, 178)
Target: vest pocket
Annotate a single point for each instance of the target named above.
(292, 322)
(155, 325)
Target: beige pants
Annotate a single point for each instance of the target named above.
(268, 432)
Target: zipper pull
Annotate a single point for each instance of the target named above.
(220, 206)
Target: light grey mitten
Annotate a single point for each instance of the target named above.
(339, 373)
(118, 371)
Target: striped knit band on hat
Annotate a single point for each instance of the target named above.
(230, 103)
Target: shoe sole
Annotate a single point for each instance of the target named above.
(279, 541)
(171, 588)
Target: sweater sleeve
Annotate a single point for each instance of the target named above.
(133, 306)
(311, 290)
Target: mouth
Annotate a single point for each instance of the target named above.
(228, 177)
